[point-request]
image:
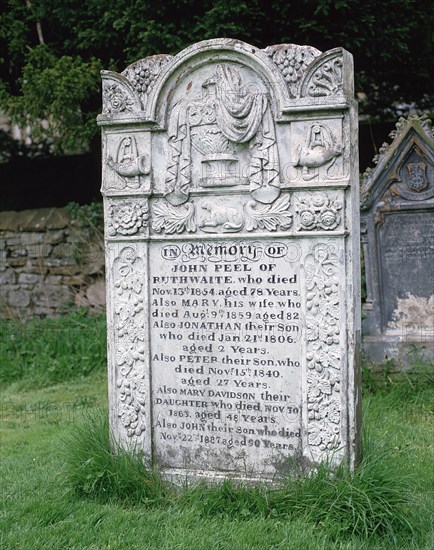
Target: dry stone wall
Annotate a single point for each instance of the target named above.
(48, 263)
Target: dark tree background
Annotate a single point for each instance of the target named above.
(51, 52)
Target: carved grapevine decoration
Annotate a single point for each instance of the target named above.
(130, 349)
(323, 352)
(143, 73)
(292, 61)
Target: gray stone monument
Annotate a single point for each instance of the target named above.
(397, 220)
(230, 182)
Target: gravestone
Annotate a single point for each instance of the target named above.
(230, 182)
(397, 226)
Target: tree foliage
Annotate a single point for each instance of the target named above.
(54, 98)
(52, 50)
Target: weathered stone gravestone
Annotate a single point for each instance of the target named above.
(397, 201)
(230, 181)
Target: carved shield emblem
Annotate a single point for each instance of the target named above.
(417, 176)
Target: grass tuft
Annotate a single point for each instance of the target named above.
(372, 500)
(94, 468)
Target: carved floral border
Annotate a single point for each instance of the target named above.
(323, 354)
(319, 211)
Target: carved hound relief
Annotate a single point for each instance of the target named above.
(221, 218)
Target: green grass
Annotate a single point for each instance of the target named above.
(375, 500)
(62, 488)
(43, 352)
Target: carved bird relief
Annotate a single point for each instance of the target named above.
(320, 149)
(129, 163)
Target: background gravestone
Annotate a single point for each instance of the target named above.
(231, 214)
(397, 201)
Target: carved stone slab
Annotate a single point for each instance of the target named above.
(398, 238)
(231, 223)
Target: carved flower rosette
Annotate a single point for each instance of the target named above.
(127, 218)
(318, 212)
(323, 348)
(130, 349)
(116, 100)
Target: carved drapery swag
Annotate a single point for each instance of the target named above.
(242, 117)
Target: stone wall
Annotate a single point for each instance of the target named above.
(48, 263)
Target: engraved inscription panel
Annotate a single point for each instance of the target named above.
(406, 249)
(226, 359)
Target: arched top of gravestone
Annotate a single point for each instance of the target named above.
(294, 77)
(405, 167)
(224, 63)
